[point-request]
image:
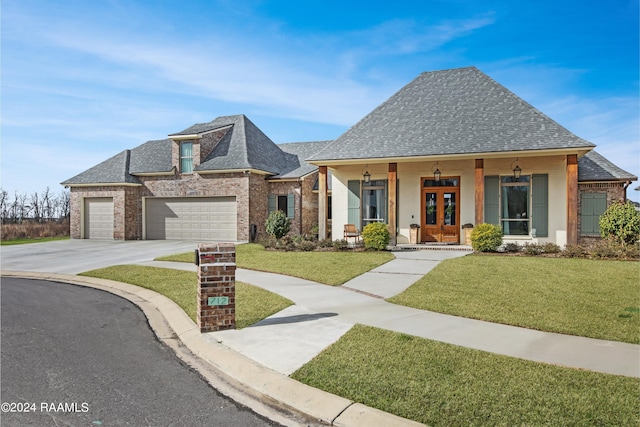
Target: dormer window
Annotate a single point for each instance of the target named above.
(186, 157)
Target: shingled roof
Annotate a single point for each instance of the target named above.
(459, 111)
(114, 170)
(243, 147)
(594, 167)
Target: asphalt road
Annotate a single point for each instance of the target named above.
(79, 356)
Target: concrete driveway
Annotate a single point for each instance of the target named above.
(76, 256)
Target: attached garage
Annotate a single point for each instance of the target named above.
(191, 218)
(98, 218)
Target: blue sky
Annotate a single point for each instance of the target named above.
(83, 80)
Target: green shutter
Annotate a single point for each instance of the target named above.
(592, 205)
(353, 203)
(540, 204)
(491, 200)
(272, 203)
(291, 207)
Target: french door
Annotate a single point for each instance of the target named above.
(440, 215)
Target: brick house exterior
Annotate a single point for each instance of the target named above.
(231, 160)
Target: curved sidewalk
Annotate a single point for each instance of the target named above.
(284, 343)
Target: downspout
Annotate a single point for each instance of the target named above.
(300, 184)
(626, 185)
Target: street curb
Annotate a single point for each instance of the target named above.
(170, 324)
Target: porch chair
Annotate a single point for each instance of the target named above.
(350, 230)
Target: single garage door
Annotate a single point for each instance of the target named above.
(191, 218)
(98, 218)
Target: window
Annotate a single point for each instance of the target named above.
(284, 203)
(186, 157)
(518, 206)
(367, 202)
(592, 205)
(515, 215)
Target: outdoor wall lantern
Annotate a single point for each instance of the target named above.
(366, 176)
(436, 174)
(517, 171)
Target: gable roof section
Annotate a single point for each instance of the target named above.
(297, 152)
(594, 167)
(459, 111)
(112, 171)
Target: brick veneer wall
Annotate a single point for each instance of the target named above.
(306, 202)
(615, 193)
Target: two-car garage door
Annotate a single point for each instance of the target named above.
(191, 218)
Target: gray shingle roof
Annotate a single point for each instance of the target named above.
(594, 167)
(151, 157)
(112, 171)
(243, 147)
(297, 153)
(455, 111)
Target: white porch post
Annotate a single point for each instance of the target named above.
(323, 212)
(393, 195)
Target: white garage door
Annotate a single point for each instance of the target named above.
(98, 218)
(191, 218)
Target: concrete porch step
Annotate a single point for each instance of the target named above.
(431, 246)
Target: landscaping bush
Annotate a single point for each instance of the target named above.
(533, 249)
(486, 238)
(376, 236)
(608, 248)
(340, 245)
(277, 224)
(574, 251)
(621, 221)
(512, 247)
(550, 248)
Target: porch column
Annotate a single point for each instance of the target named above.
(323, 204)
(572, 199)
(393, 195)
(479, 191)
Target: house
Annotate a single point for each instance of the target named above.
(455, 147)
(211, 181)
(450, 148)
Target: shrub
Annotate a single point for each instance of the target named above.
(550, 248)
(376, 236)
(622, 222)
(608, 248)
(340, 245)
(486, 237)
(326, 243)
(574, 251)
(512, 247)
(306, 245)
(277, 224)
(533, 249)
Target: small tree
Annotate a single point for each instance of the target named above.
(486, 237)
(621, 221)
(277, 224)
(376, 236)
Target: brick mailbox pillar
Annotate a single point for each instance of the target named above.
(216, 286)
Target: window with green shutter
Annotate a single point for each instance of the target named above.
(284, 203)
(492, 200)
(592, 205)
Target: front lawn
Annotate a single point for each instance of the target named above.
(24, 241)
(445, 385)
(252, 303)
(590, 298)
(331, 268)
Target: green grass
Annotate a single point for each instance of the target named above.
(30, 240)
(331, 268)
(597, 299)
(444, 385)
(252, 303)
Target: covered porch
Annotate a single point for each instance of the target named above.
(534, 198)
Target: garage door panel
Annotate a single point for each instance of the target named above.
(212, 218)
(98, 218)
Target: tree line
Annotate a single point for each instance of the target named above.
(35, 207)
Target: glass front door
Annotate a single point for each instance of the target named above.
(440, 215)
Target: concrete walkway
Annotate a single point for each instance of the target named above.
(322, 314)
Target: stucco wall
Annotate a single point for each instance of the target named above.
(409, 193)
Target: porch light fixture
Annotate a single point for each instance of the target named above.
(517, 171)
(366, 176)
(436, 174)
